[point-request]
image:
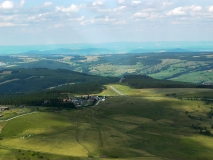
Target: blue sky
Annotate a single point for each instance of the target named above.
(25, 22)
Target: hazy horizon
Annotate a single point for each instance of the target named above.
(116, 47)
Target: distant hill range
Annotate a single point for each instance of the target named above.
(88, 51)
(175, 50)
(139, 51)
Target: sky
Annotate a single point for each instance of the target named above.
(33, 22)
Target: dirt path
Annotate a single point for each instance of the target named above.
(19, 116)
(77, 130)
(8, 81)
(118, 92)
(2, 126)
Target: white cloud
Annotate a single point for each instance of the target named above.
(135, 2)
(121, 1)
(102, 20)
(6, 18)
(185, 10)
(177, 11)
(78, 19)
(179, 22)
(7, 5)
(47, 4)
(120, 8)
(6, 24)
(98, 3)
(22, 3)
(193, 8)
(121, 22)
(40, 17)
(58, 26)
(72, 8)
(154, 16)
(140, 15)
(210, 9)
(10, 24)
(103, 10)
(165, 4)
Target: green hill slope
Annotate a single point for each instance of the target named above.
(145, 125)
(32, 80)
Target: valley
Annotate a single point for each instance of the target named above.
(165, 65)
(106, 80)
(156, 106)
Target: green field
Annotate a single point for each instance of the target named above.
(143, 124)
(171, 66)
(16, 111)
(196, 77)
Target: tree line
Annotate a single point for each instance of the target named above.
(143, 81)
(53, 96)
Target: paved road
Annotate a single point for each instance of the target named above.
(121, 80)
(114, 89)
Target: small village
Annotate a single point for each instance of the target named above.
(84, 100)
(77, 102)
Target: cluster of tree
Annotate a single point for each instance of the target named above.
(171, 95)
(193, 117)
(150, 61)
(50, 64)
(58, 103)
(33, 80)
(52, 97)
(118, 59)
(33, 99)
(143, 81)
(81, 88)
(210, 114)
(128, 59)
(9, 59)
(78, 58)
(193, 58)
(201, 130)
(53, 57)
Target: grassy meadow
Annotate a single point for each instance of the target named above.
(144, 124)
(16, 111)
(195, 77)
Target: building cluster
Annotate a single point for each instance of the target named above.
(2, 108)
(81, 101)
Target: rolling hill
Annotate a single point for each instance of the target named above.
(32, 80)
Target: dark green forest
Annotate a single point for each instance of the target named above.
(143, 81)
(34, 80)
(54, 96)
(35, 86)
